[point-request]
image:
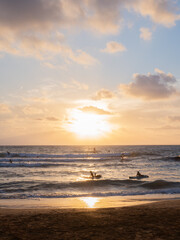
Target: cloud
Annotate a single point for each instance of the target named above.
(151, 86)
(32, 110)
(102, 15)
(4, 108)
(52, 119)
(37, 14)
(103, 94)
(106, 16)
(75, 85)
(43, 48)
(145, 34)
(113, 47)
(40, 15)
(29, 28)
(37, 99)
(160, 11)
(164, 128)
(174, 118)
(95, 110)
(52, 65)
(82, 58)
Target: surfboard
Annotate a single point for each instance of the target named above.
(138, 177)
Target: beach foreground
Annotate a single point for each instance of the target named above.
(159, 220)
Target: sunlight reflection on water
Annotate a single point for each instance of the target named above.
(90, 201)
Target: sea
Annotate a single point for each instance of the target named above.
(59, 175)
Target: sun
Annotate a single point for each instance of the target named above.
(88, 125)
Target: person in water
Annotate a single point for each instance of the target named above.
(138, 174)
(122, 156)
(94, 175)
(10, 161)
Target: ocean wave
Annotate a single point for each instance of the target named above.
(87, 194)
(51, 162)
(167, 158)
(73, 155)
(28, 165)
(45, 160)
(176, 158)
(42, 185)
(87, 185)
(45, 165)
(85, 155)
(160, 184)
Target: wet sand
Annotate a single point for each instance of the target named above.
(157, 221)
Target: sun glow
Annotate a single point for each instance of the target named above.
(90, 201)
(88, 125)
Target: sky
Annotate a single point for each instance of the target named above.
(89, 72)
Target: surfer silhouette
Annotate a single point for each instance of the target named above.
(94, 175)
(138, 174)
(122, 156)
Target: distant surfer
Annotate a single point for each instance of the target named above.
(122, 156)
(10, 161)
(94, 150)
(138, 174)
(8, 153)
(94, 175)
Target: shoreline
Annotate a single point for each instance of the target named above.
(85, 202)
(158, 220)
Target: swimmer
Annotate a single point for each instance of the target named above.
(10, 161)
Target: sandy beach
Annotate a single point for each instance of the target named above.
(158, 220)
